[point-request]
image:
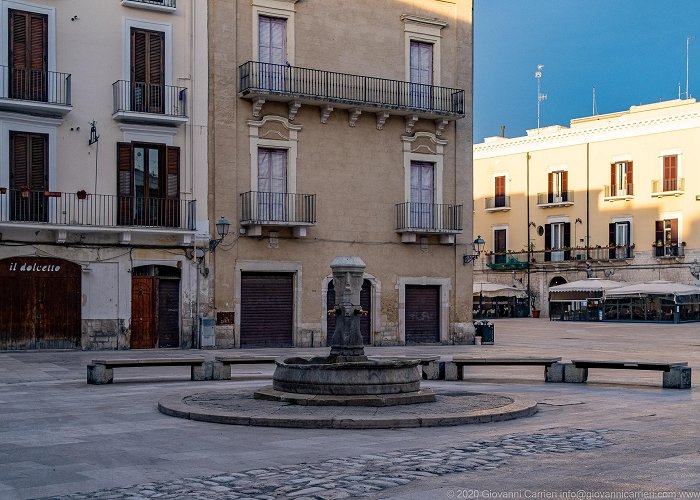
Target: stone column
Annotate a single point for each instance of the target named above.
(346, 343)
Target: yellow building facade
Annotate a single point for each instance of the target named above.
(613, 196)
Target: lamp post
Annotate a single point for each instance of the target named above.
(478, 246)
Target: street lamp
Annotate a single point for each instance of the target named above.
(222, 227)
(478, 246)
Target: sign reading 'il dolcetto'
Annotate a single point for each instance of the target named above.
(33, 267)
(37, 267)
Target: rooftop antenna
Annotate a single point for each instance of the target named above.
(540, 96)
(595, 109)
(679, 90)
(687, 65)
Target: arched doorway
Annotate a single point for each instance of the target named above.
(155, 307)
(365, 321)
(558, 310)
(42, 308)
(557, 280)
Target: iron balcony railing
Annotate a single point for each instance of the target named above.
(289, 209)
(619, 191)
(26, 84)
(497, 202)
(555, 198)
(668, 185)
(428, 218)
(668, 250)
(140, 97)
(97, 210)
(161, 3)
(327, 86)
(518, 260)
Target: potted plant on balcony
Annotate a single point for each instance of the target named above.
(82, 194)
(3, 190)
(24, 191)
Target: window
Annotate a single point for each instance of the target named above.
(421, 74)
(666, 238)
(148, 185)
(499, 245)
(557, 238)
(422, 194)
(621, 179)
(28, 56)
(28, 176)
(500, 191)
(272, 184)
(557, 187)
(147, 71)
(272, 52)
(620, 238)
(670, 180)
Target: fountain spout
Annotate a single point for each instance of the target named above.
(346, 342)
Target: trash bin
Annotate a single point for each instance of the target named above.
(487, 336)
(478, 328)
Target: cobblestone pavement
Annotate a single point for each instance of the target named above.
(359, 476)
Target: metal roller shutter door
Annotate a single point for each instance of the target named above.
(267, 309)
(422, 314)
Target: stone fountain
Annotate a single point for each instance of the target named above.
(347, 376)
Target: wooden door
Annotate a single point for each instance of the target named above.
(365, 321)
(29, 176)
(143, 327)
(422, 314)
(168, 314)
(28, 55)
(147, 71)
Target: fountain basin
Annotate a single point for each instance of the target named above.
(323, 376)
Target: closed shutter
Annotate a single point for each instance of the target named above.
(147, 70)
(630, 179)
(659, 226)
(168, 314)
(125, 183)
(550, 187)
(567, 240)
(499, 245)
(547, 242)
(29, 170)
(172, 187)
(565, 186)
(422, 314)
(365, 303)
(613, 180)
(267, 309)
(28, 55)
(612, 239)
(500, 191)
(674, 232)
(670, 173)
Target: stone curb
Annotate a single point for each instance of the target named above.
(174, 406)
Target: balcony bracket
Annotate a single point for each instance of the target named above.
(326, 113)
(254, 231)
(293, 109)
(257, 107)
(440, 126)
(410, 123)
(408, 237)
(125, 238)
(186, 239)
(447, 239)
(353, 115)
(381, 119)
(61, 235)
(299, 232)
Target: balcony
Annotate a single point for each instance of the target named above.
(138, 102)
(497, 204)
(36, 92)
(668, 187)
(428, 218)
(329, 90)
(294, 210)
(549, 200)
(614, 192)
(83, 213)
(506, 261)
(671, 250)
(162, 5)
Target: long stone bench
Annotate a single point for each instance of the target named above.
(432, 368)
(101, 371)
(454, 370)
(676, 375)
(222, 364)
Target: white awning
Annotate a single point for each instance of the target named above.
(654, 288)
(488, 289)
(587, 285)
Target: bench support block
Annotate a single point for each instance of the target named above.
(573, 374)
(677, 378)
(453, 371)
(554, 372)
(99, 374)
(221, 371)
(433, 370)
(199, 372)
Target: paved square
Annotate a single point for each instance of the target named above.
(620, 432)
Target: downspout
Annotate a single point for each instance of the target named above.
(588, 202)
(529, 248)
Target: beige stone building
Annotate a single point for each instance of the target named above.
(103, 140)
(611, 196)
(340, 128)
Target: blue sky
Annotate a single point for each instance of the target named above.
(632, 51)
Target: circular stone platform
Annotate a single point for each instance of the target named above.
(238, 407)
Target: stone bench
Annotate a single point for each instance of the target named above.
(432, 368)
(676, 375)
(222, 364)
(454, 370)
(101, 371)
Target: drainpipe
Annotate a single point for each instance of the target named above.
(529, 257)
(588, 201)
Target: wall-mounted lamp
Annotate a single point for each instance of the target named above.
(74, 18)
(93, 134)
(222, 227)
(478, 248)
(695, 269)
(578, 220)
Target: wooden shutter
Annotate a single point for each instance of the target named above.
(28, 54)
(630, 179)
(19, 167)
(550, 187)
(500, 185)
(125, 182)
(659, 238)
(29, 160)
(674, 231)
(670, 180)
(613, 180)
(38, 159)
(172, 187)
(548, 241)
(147, 70)
(612, 239)
(564, 186)
(567, 240)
